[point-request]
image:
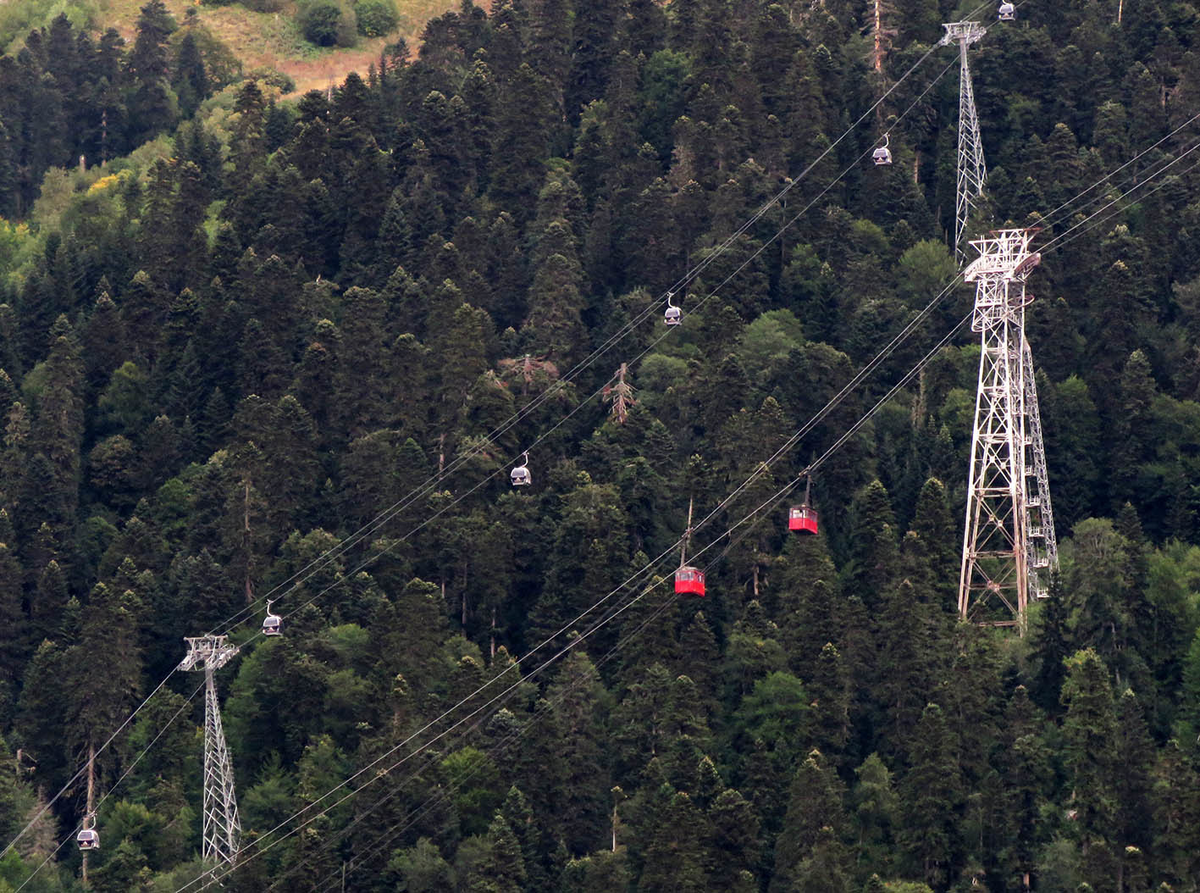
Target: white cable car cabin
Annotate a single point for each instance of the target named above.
(883, 154)
(88, 837)
(1008, 12)
(272, 623)
(673, 315)
(520, 476)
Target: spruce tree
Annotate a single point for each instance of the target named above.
(1051, 645)
(814, 803)
(576, 694)
(1089, 748)
(874, 551)
(931, 797)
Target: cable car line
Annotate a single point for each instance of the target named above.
(1132, 204)
(443, 794)
(503, 744)
(1114, 201)
(359, 535)
(1125, 189)
(387, 514)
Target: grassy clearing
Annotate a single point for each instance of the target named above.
(271, 40)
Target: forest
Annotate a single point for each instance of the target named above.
(265, 347)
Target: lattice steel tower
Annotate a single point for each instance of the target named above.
(1009, 542)
(972, 174)
(221, 826)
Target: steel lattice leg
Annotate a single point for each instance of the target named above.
(221, 825)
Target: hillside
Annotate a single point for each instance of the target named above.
(260, 40)
(384, 385)
(272, 40)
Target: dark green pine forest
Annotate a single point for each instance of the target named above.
(236, 328)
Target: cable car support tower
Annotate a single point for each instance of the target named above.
(972, 174)
(1008, 542)
(221, 826)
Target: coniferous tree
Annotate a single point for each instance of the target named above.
(814, 804)
(152, 104)
(931, 796)
(1090, 751)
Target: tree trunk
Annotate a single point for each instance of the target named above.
(91, 802)
(246, 539)
(878, 54)
(463, 618)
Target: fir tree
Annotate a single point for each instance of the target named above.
(931, 797)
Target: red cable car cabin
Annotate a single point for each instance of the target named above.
(689, 581)
(802, 519)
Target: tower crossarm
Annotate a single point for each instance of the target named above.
(208, 652)
(962, 33)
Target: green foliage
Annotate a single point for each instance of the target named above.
(775, 710)
(421, 868)
(19, 17)
(376, 18)
(472, 774)
(327, 22)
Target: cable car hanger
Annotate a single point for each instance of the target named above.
(688, 580)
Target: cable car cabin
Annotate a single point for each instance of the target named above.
(272, 625)
(802, 519)
(1008, 12)
(673, 315)
(520, 476)
(88, 839)
(883, 154)
(689, 581)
